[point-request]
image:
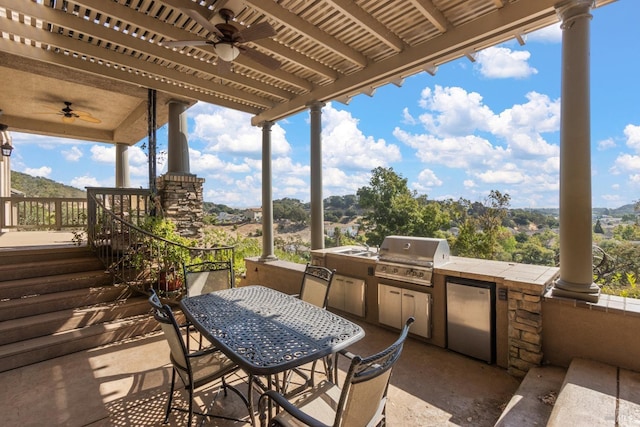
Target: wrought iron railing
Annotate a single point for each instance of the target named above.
(135, 256)
(42, 213)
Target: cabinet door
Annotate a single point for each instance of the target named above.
(336, 293)
(418, 305)
(390, 305)
(354, 296)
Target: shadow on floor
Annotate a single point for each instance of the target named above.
(126, 384)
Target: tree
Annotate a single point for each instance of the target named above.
(394, 209)
(291, 209)
(481, 232)
(598, 227)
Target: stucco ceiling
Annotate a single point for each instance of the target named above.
(103, 56)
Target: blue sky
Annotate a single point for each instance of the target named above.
(492, 124)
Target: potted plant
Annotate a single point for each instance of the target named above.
(165, 260)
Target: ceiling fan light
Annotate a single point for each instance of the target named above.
(226, 51)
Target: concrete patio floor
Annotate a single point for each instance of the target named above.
(126, 384)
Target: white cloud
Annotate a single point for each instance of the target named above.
(539, 114)
(428, 178)
(509, 174)
(502, 63)
(85, 181)
(606, 144)
(460, 152)
(549, 34)
(507, 150)
(73, 154)
(43, 171)
(454, 111)
(407, 117)
(632, 133)
(627, 163)
(104, 154)
(229, 131)
(204, 163)
(344, 145)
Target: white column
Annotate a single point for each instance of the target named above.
(267, 195)
(576, 260)
(178, 143)
(317, 208)
(122, 166)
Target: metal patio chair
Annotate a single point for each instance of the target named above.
(206, 277)
(314, 289)
(195, 369)
(316, 282)
(361, 401)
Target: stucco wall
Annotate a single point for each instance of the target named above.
(606, 332)
(283, 276)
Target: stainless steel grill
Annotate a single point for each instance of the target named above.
(411, 259)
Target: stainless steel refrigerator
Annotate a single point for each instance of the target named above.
(471, 318)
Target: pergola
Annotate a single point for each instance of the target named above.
(104, 57)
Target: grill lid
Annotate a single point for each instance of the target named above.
(424, 251)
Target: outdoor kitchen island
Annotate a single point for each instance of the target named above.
(519, 290)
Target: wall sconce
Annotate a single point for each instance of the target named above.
(5, 139)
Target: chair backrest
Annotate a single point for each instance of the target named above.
(315, 285)
(164, 315)
(364, 393)
(208, 276)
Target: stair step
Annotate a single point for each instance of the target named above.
(58, 301)
(597, 394)
(24, 328)
(533, 402)
(25, 270)
(47, 347)
(47, 303)
(19, 288)
(17, 256)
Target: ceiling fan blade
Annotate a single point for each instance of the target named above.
(89, 118)
(182, 43)
(223, 67)
(258, 31)
(195, 15)
(261, 58)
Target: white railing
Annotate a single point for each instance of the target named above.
(42, 213)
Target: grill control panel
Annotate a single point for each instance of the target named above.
(404, 273)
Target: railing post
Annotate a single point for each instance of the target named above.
(58, 214)
(3, 225)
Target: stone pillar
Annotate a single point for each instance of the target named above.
(267, 195)
(182, 199)
(576, 260)
(178, 141)
(525, 327)
(317, 207)
(122, 166)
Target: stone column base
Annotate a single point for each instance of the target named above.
(181, 198)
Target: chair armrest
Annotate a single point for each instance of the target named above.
(204, 352)
(287, 406)
(347, 354)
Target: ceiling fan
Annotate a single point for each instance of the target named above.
(69, 115)
(228, 39)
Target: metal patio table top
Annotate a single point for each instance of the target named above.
(266, 331)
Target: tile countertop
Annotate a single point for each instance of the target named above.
(498, 271)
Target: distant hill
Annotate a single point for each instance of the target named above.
(34, 186)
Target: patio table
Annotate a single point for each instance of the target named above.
(267, 332)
